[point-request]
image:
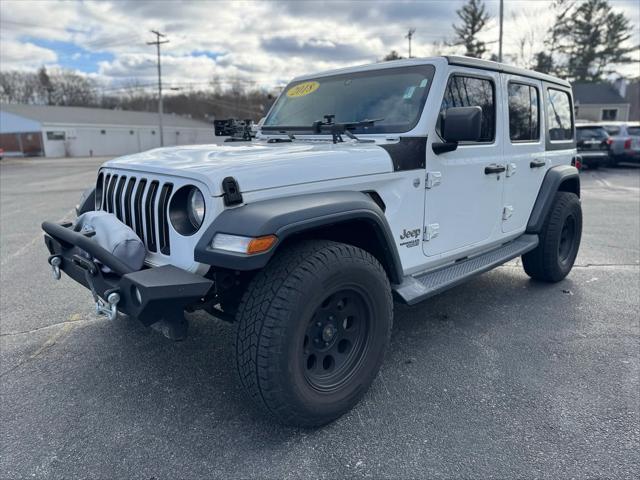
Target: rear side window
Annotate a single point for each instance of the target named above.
(635, 131)
(591, 133)
(559, 119)
(524, 124)
(465, 91)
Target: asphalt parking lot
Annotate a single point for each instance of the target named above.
(499, 378)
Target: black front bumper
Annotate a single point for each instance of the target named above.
(150, 294)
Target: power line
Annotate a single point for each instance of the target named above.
(157, 43)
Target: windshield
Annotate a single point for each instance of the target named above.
(394, 97)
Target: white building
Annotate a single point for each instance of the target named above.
(598, 102)
(54, 131)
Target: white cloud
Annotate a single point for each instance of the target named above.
(24, 55)
(263, 42)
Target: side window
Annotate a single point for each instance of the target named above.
(524, 122)
(464, 91)
(559, 119)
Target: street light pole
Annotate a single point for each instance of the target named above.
(157, 43)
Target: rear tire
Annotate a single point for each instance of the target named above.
(553, 258)
(312, 329)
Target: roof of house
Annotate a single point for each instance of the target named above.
(596, 94)
(98, 116)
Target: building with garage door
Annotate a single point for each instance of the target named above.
(52, 131)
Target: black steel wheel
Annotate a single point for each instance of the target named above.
(553, 258)
(336, 339)
(567, 239)
(312, 330)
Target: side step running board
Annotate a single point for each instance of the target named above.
(414, 289)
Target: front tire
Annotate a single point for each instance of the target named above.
(553, 258)
(312, 330)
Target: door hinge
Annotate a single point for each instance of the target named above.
(507, 211)
(431, 231)
(511, 169)
(433, 179)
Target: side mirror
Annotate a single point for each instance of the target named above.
(459, 124)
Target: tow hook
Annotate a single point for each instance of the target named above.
(110, 307)
(55, 261)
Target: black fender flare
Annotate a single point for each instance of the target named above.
(288, 216)
(559, 178)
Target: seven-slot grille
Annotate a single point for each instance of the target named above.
(141, 203)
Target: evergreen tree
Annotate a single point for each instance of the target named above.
(474, 17)
(44, 84)
(587, 39)
(543, 63)
(392, 55)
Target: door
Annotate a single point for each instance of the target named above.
(524, 152)
(464, 187)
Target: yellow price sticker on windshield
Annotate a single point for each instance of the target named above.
(303, 89)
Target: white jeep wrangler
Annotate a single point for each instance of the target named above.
(398, 179)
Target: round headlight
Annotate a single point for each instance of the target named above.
(186, 210)
(195, 207)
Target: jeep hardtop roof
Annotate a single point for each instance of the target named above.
(451, 60)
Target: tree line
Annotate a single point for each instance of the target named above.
(67, 88)
(583, 44)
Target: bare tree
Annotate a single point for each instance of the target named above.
(18, 87)
(71, 89)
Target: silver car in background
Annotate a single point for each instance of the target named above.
(625, 141)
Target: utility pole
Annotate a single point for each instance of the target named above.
(500, 38)
(409, 35)
(157, 43)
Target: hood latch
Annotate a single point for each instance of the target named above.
(231, 189)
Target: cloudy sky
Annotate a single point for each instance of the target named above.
(261, 44)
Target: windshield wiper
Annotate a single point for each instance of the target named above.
(338, 129)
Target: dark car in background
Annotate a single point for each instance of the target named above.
(625, 141)
(594, 145)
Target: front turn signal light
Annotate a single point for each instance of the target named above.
(261, 244)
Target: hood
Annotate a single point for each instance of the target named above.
(259, 166)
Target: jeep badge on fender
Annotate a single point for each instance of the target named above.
(399, 179)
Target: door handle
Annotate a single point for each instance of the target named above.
(494, 168)
(537, 163)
